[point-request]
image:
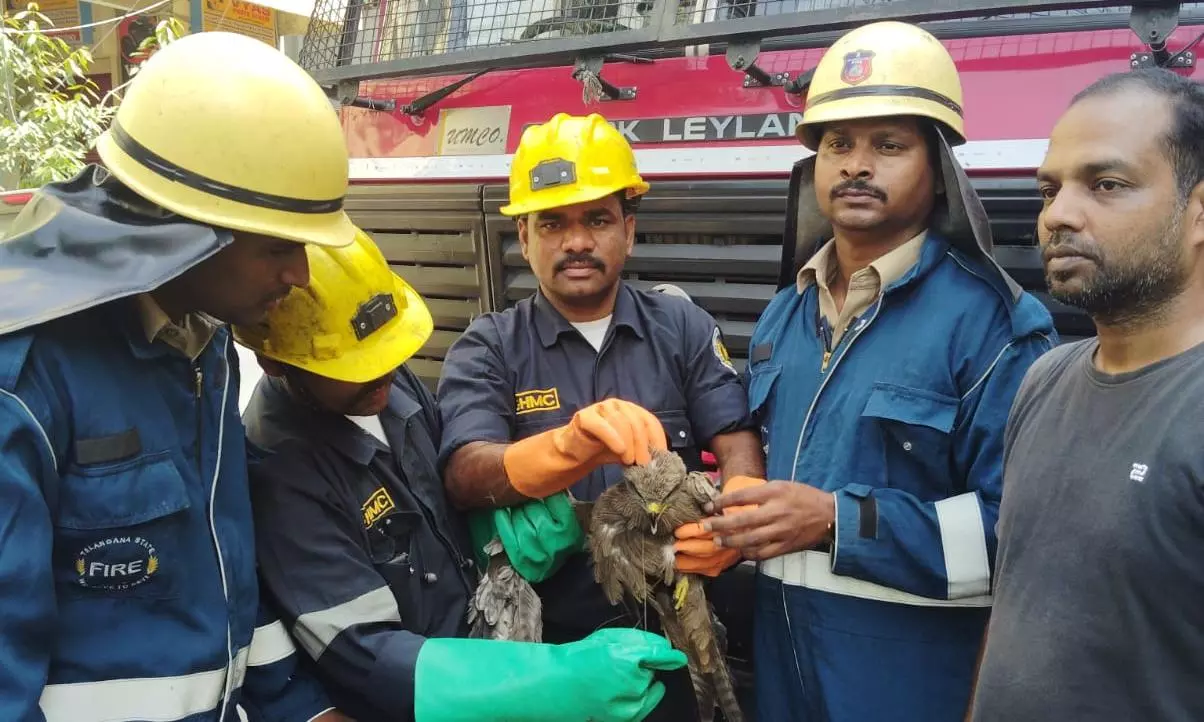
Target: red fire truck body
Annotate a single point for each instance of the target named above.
(692, 118)
(718, 152)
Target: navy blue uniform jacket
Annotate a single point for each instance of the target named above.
(356, 543)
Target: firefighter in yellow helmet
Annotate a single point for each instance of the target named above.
(585, 376)
(376, 587)
(122, 455)
(882, 377)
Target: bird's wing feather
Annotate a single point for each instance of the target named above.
(696, 619)
(505, 606)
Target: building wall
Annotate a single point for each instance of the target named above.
(97, 27)
(101, 29)
(195, 15)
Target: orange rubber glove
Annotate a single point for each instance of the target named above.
(607, 432)
(696, 550)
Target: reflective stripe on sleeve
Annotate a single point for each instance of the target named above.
(162, 699)
(316, 630)
(269, 644)
(813, 570)
(964, 543)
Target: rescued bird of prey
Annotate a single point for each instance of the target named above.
(631, 541)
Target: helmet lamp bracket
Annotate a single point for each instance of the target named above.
(553, 173)
(373, 314)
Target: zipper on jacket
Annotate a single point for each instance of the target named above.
(463, 563)
(858, 328)
(824, 329)
(228, 687)
(829, 349)
(198, 388)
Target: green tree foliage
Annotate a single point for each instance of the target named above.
(50, 112)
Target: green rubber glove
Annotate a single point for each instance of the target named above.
(606, 677)
(538, 535)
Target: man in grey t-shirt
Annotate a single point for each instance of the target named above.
(1099, 600)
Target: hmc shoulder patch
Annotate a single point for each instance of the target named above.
(527, 402)
(721, 351)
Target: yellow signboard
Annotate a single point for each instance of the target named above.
(237, 16)
(62, 13)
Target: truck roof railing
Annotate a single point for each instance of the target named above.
(349, 41)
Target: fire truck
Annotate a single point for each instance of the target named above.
(434, 96)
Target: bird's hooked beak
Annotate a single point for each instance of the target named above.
(656, 509)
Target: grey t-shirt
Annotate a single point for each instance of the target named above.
(1099, 600)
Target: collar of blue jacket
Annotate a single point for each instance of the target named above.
(274, 415)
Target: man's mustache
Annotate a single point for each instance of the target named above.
(1067, 244)
(578, 259)
(858, 184)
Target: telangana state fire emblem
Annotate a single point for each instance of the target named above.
(857, 66)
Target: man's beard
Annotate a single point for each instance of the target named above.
(1135, 289)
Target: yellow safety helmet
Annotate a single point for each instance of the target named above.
(227, 130)
(883, 69)
(570, 159)
(356, 320)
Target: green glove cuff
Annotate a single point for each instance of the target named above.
(606, 677)
(540, 535)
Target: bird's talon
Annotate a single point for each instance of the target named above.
(679, 593)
